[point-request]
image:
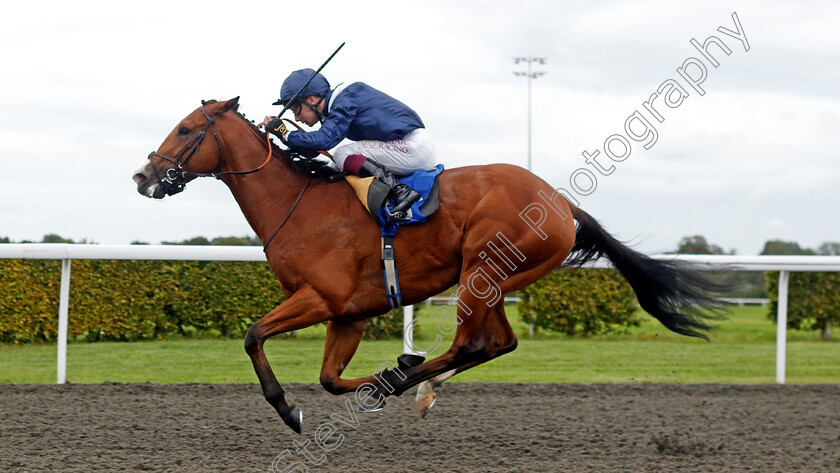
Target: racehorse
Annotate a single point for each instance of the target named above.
(498, 229)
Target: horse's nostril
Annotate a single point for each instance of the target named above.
(138, 178)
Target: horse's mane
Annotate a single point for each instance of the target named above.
(276, 150)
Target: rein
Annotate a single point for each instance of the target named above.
(288, 214)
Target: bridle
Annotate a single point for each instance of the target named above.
(174, 179)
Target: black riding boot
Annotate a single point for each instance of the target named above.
(400, 194)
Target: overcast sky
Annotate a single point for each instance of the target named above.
(88, 89)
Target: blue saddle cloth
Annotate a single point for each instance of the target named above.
(424, 182)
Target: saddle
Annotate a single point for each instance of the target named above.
(372, 195)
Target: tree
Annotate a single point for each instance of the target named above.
(697, 245)
(4, 240)
(739, 283)
(218, 241)
(54, 238)
(813, 298)
(829, 248)
(233, 241)
(199, 240)
(779, 247)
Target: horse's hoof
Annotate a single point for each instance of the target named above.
(424, 405)
(294, 419)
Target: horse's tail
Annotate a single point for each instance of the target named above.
(667, 290)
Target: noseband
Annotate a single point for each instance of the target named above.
(174, 179)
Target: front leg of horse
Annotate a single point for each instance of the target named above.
(305, 308)
(341, 343)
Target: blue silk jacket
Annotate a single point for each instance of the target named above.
(357, 112)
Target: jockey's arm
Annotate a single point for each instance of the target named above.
(329, 135)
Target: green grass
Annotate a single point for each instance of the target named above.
(742, 350)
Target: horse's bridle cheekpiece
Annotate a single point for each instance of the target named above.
(173, 180)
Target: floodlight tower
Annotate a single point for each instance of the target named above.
(530, 75)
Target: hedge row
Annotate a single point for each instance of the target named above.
(141, 300)
(134, 300)
(584, 302)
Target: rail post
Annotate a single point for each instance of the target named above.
(408, 333)
(63, 316)
(781, 326)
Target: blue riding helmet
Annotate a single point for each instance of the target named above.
(318, 86)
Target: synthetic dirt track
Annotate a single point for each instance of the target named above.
(473, 428)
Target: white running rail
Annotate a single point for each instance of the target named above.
(68, 252)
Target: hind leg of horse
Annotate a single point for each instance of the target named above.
(303, 309)
(427, 390)
(483, 333)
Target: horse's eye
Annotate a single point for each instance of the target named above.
(184, 131)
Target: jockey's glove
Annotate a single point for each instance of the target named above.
(277, 128)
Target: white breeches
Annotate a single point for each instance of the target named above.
(402, 157)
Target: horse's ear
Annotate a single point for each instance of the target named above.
(230, 105)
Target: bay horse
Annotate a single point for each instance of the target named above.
(498, 229)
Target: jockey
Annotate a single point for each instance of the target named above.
(388, 137)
